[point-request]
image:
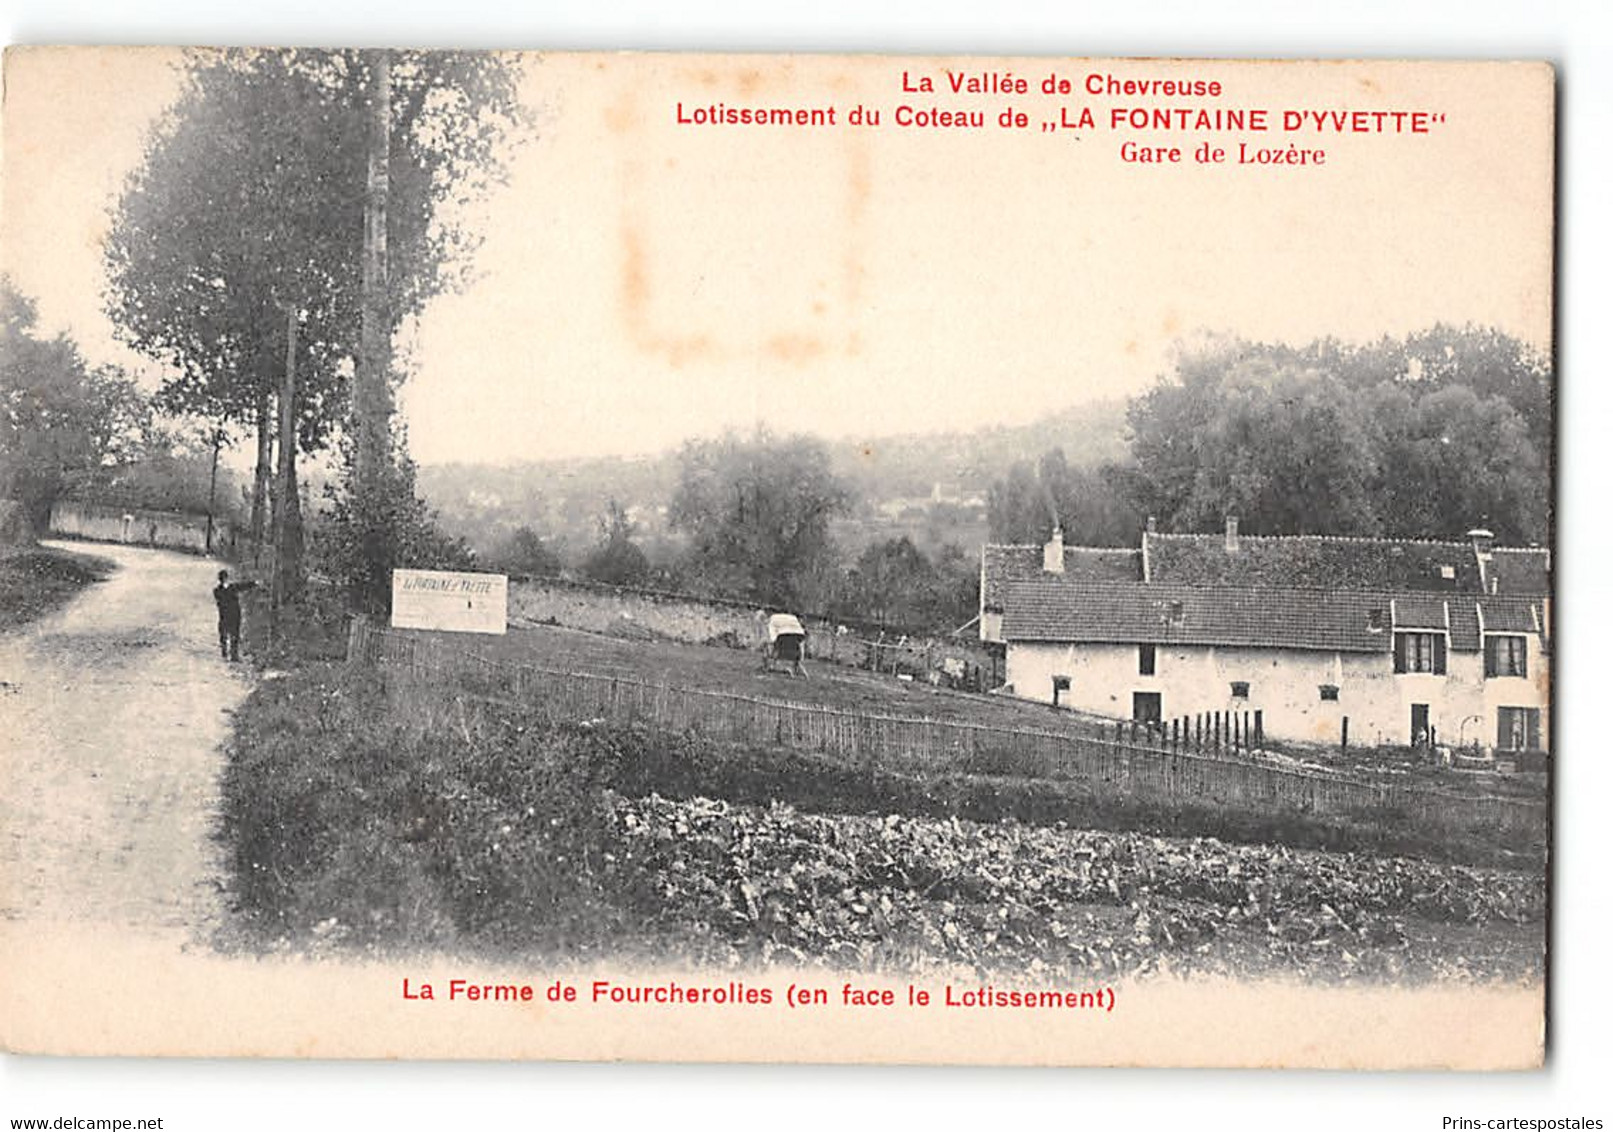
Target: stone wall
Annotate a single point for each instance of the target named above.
(172, 530)
(628, 612)
(649, 614)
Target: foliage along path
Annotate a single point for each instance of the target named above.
(112, 712)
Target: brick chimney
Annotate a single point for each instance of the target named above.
(1483, 542)
(1232, 534)
(1053, 552)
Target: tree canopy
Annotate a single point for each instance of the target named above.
(291, 210)
(360, 545)
(896, 585)
(617, 560)
(1420, 437)
(523, 551)
(249, 201)
(62, 422)
(1092, 505)
(756, 513)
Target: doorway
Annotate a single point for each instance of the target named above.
(1146, 707)
(1420, 731)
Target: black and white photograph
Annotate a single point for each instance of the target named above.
(790, 558)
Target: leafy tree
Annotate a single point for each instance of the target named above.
(62, 423)
(1454, 456)
(1289, 451)
(618, 560)
(1420, 437)
(524, 552)
(362, 545)
(893, 584)
(1091, 504)
(1482, 359)
(756, 513)
(1019, 507)
(227, 225)
(237, 250)
(957, 594)
(174, 472)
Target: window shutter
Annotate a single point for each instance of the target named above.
(1400, 652)
(1521, 644)
(1439, 654)
(1491, 667)
(1532, 725)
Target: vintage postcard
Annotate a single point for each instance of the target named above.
(788, 558)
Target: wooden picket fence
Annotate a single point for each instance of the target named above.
(924, 746)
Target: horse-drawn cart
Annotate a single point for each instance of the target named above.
(783, 642)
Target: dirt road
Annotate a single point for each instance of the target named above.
(112, 710)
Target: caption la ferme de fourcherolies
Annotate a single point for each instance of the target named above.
(673, 993)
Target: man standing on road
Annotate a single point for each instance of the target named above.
(226, 595)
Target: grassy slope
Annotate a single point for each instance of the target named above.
(718, 669)
(35, 580)
(365, 815)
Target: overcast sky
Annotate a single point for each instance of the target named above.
(643, 281)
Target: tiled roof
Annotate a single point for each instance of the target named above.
(1331, 620)
(1301, 591)
(1126, 612)
(1324, 562)
(1521, 570)
(1314, 562)
(1002, 565)
(1421, 611)
(1509, 615)
(1464, 625)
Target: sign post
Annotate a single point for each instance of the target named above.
(449, 601)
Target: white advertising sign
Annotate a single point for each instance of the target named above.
(450, 601)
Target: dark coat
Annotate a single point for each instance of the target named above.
(227, 597)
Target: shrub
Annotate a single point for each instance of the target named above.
(359, 815)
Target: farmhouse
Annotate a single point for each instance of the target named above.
(1329, 639)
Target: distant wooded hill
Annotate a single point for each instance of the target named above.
(564, 500)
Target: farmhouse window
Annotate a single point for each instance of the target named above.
(1420, 652)
(1330, 692)
(1240, 689)
(1146, 657)
(1506, 656)
(1517, 729)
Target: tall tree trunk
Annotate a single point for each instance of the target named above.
(261, 473)
(287, 578)
(372, 393)
(212, 486)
